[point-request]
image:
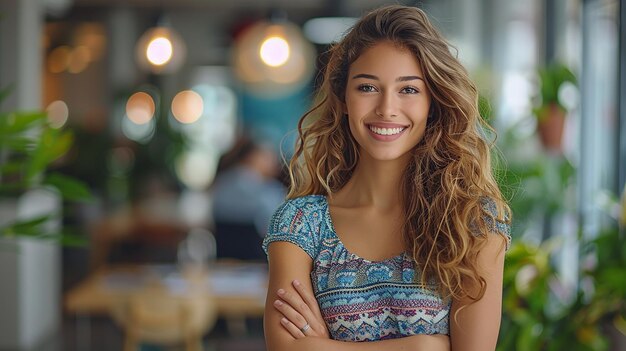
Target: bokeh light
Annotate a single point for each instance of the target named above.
(196, 168)
(141, 133)
(58, 113)
(140, 108)
(79, 59)
(274, 51)
(58, 60)
(159, 51)
(187, 106)
(216, 128)
(273, 59)
(88, 45)
(569, 95)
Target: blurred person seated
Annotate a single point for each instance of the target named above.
(245, 194)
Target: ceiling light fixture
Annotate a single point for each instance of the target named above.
(160, 49)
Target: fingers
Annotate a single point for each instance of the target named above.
(307, 295)
(296, 302)
(308, 298)
(291, 328)
(298, 311)
(293, 316)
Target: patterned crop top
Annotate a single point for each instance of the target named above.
(360, 300)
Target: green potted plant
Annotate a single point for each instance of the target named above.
(28, 147)
(550, 110)
(608, 253)
(31, 199)
(541, 314)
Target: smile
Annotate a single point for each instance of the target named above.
(386, 131)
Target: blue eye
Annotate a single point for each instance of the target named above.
(409, 90)
(366, 88)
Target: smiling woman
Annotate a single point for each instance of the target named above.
(386, 99)
(395, 230)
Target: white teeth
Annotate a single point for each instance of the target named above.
(386, 131)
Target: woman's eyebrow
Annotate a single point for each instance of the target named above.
(407, 78)
(399, 79)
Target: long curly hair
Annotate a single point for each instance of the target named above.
(449, 176)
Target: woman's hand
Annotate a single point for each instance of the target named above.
(301, 314)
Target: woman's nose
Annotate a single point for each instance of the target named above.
(387, 106)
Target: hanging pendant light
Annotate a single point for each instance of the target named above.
(160, 49)
(272, 58)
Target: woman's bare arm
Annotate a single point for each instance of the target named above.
(288, 262)
(476, 326)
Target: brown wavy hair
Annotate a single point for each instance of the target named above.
(449, 176)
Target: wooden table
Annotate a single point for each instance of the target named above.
(239, 290)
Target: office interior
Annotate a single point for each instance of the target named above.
(129, 131)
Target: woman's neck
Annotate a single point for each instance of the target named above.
(374, 183)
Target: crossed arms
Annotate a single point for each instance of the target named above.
(475, 327)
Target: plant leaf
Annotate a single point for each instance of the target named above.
(70, 188)
(73, 240)
(20, 122)
(29, 227)
(11, 167)
(18, 144)
(60, 145)
(52, 145)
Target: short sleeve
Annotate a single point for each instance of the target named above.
(290, 223)
(494, 224)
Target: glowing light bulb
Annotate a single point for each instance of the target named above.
(187, 106)
(140, 108)
(159, 51)
(273, 59)
(274, 51)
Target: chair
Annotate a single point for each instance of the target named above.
(238, 241)
(158, 316)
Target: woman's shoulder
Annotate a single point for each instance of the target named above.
(300, 209)
(307, 205)
(297, 221)
(496, 217)
(490, 206)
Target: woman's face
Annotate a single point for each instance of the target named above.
(387, 102)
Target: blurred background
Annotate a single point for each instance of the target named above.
(142, 146)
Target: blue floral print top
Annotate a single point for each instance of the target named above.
(360, 300)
